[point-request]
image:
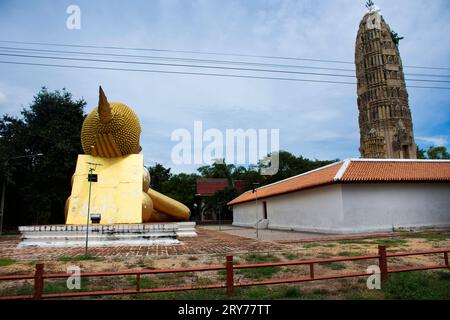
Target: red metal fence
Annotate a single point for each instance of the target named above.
(382, 257)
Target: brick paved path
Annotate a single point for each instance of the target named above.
(207, 242)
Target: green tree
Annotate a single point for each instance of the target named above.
(232, 173)
(218, 170)
(421, 153)
(438, 153)
(217, 203)
(182, 187)
(158, 175)
(396, 38)
(290, 165)
(38, 187)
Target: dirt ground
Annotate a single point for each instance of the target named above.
(212, 247)
(264, 234)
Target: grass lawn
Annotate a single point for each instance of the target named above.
(7, 262)
(79, 258)
(420, 285)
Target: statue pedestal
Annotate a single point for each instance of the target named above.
(146, 234)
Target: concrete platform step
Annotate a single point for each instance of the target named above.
(106, 235)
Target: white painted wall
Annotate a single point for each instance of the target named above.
(353, 208)
(379, 207)
(314, 210)
(246, 214)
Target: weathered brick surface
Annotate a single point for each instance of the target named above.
(207, 242)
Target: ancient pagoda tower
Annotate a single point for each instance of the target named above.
(384, 116)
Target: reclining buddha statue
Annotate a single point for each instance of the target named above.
(121, 193)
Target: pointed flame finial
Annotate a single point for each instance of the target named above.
(104, 108)
(372, 7)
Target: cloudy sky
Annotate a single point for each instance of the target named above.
(317, 120)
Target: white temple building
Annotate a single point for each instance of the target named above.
(352, 196)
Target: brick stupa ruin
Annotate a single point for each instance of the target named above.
(385, 121)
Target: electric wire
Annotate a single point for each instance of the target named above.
(201, 52)
(198, 73)
(165, 58)
(201, 66)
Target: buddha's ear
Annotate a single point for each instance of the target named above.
(104, 108)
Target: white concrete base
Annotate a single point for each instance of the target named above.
(348, 231)
(186, 230)
(106, 235)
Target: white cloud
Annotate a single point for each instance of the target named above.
(436, 141)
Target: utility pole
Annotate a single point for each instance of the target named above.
(220, 216)
(91, 178)
(257, 216)
(255, 191)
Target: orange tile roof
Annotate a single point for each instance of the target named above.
(309, 179)
(397, 171)
(356, 170)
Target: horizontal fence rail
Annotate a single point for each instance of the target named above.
(39, 276)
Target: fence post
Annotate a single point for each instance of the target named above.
(383, 262)
(446, 258)
(311, 270)
(39, 281)
(230, 276)
(138, 282)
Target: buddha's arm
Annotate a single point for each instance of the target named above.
(169, 206)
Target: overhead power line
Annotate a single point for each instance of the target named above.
(231, 62)
(177, 65)
(226, 62)
(197, 73)
(200, 66)
(173, 72)
(203, 52)
(175, 51)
